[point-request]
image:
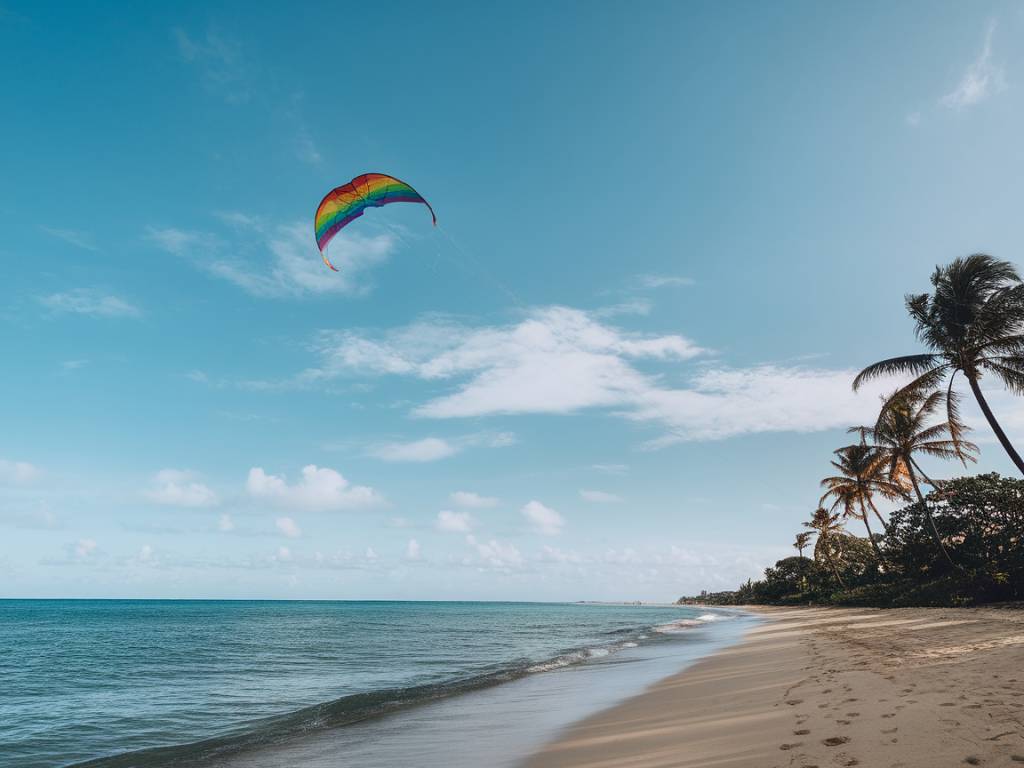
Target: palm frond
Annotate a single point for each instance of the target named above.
(905, 364)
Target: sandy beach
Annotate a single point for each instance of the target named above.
(903, 688)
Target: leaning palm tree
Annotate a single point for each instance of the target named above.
(973, 323)
(803, 540)
(903, 431)
(826, 524)
(862, 475)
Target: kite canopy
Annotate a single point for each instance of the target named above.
(346, 203)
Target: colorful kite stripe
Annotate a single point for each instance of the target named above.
(347, 203)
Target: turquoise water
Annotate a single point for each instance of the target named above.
(162, 683)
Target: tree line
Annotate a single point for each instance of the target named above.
(952, 542)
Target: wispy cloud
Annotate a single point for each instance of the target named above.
(472, 500)
(599, 497)
(436, 448)
(319, 489)
(543, 519)
(663, 281)
(563, 360)
(219, 60)
(427, 449)
(982, 79)
(17, 472)
(75, 237)
(288, 527)
(454, 522)
(280, 261)
(87, 301)
(180, 488)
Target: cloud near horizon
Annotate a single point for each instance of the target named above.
(320, 489)
(180, 488)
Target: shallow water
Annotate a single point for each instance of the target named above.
(159, 683)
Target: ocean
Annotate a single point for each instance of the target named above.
(119, 683)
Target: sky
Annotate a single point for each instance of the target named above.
(669, 235)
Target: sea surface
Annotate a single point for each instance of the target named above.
(121, 683)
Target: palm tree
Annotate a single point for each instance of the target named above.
(902, 431)
(803, 539)
(973, 323)
(862, 469)
(827, 526)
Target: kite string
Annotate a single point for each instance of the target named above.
(482, 269)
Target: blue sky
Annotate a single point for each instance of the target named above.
(669, 233)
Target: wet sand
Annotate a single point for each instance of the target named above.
(817, 687)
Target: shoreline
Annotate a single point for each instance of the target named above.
(909, 687)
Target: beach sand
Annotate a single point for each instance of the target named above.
(903, 688)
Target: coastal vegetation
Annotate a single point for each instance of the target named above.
(948, 542)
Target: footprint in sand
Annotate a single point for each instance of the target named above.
(1017, 758)
(972, 706)
(853, 714)
(801, 732)
(890, 714)
(835, 741)
(889, 730)
(972, 760)
(794, 702)
(843, 722)
(794, 745)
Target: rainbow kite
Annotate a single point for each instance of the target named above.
(346, 203)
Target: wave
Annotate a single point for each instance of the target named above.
(681, 625)
(355, 708)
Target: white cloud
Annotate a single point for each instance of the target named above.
(473, 500)
(288, 527)
(725, 402)
(180, 488)
(239, 219)
(599, 497)
(557, 360)
(436, 448)
(283, 554)
(611, 469)
(662, 281)
(283, 264)
(84, 548)
(914, 119)
(320, 489)
(982, 79)
(225, 523)
(86, 301)
(561, 360)
(496, 554)
(17, 472)
(305, 149)
(454, 522)
(219, 60)
(76, 238)
(412, 550)
(428, 449)
(543, 519)
(145, 553)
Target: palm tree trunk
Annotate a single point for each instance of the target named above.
(1003, 439)
(924, 477)
(871, 538)
(878, 514)
(831, 563)
(928, 516)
